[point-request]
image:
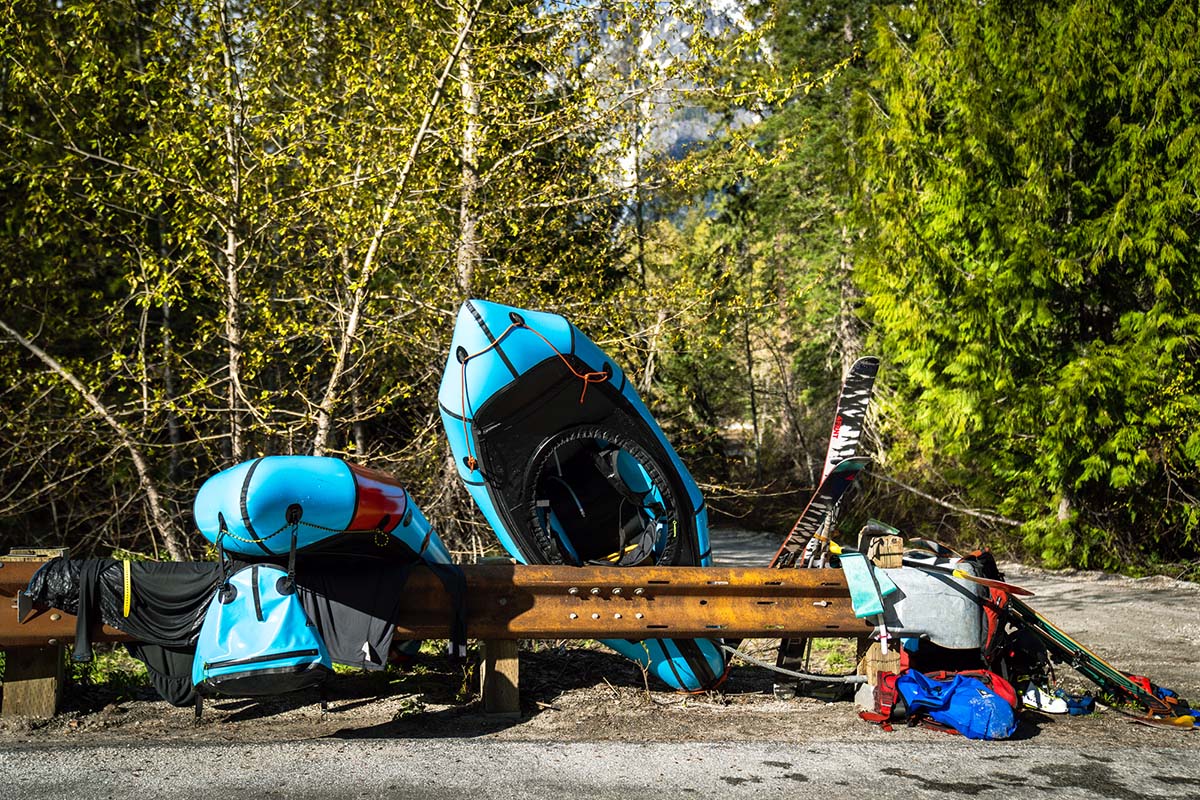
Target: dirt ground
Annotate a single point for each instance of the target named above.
(579, 692)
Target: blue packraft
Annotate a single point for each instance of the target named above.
(256, 639)
(962, 702)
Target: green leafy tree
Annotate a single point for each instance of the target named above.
(763, 216)
(241, 227)
(1026, 175)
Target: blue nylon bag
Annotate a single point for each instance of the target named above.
(256, 639)
(963, 703)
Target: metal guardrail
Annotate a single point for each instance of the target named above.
(561, 602)
(505, 603)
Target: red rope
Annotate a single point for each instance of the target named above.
(586, 377)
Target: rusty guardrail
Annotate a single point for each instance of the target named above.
(506, 603)
(560, 602)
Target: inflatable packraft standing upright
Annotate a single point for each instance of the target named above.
(567, 465)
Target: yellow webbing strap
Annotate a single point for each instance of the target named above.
(128, 589)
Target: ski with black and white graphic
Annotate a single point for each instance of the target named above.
(842, 466)
(853, 401)
(819, 511)
(818, 519)
(851, 412)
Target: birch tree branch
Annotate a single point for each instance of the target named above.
(369, 265)
(162, 520)
(970, 512)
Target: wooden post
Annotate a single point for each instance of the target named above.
(500, 671)
(33, 676)
(33, 679)
(500, 677)
(885, 552)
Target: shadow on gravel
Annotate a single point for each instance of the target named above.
(548, 672)
(1030, 725)
(429, 681)
(467, 722)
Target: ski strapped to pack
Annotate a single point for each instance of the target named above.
(1004, 609)
(842, 466)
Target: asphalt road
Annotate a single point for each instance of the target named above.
(516, 770)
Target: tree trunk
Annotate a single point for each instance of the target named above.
(349, 333)
(173, 430)
(469, 252)
(753, 400)
(849, 336)
(652, 347)
(231, 254)
(360, 431)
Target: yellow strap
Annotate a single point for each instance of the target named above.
(615, 556)
(128, 589)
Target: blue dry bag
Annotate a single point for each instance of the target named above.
(963, 703)
(256, 639)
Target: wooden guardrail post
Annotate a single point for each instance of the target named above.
(500, 677)
(33, 681)
(33, 676)
(500, 668)
(885, 552)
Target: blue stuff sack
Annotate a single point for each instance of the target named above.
(256, 639)
(963, 703)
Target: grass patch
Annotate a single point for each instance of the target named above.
(112, 668)
(833, 656)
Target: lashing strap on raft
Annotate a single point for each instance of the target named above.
(463, 356)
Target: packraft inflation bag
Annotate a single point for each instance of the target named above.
(256, 639)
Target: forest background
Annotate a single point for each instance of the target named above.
(242, 227)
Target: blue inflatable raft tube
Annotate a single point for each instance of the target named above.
(568, 466)
(337, 507)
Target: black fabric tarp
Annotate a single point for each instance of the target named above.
(355, 604)
(355, 607)
(166, 610)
